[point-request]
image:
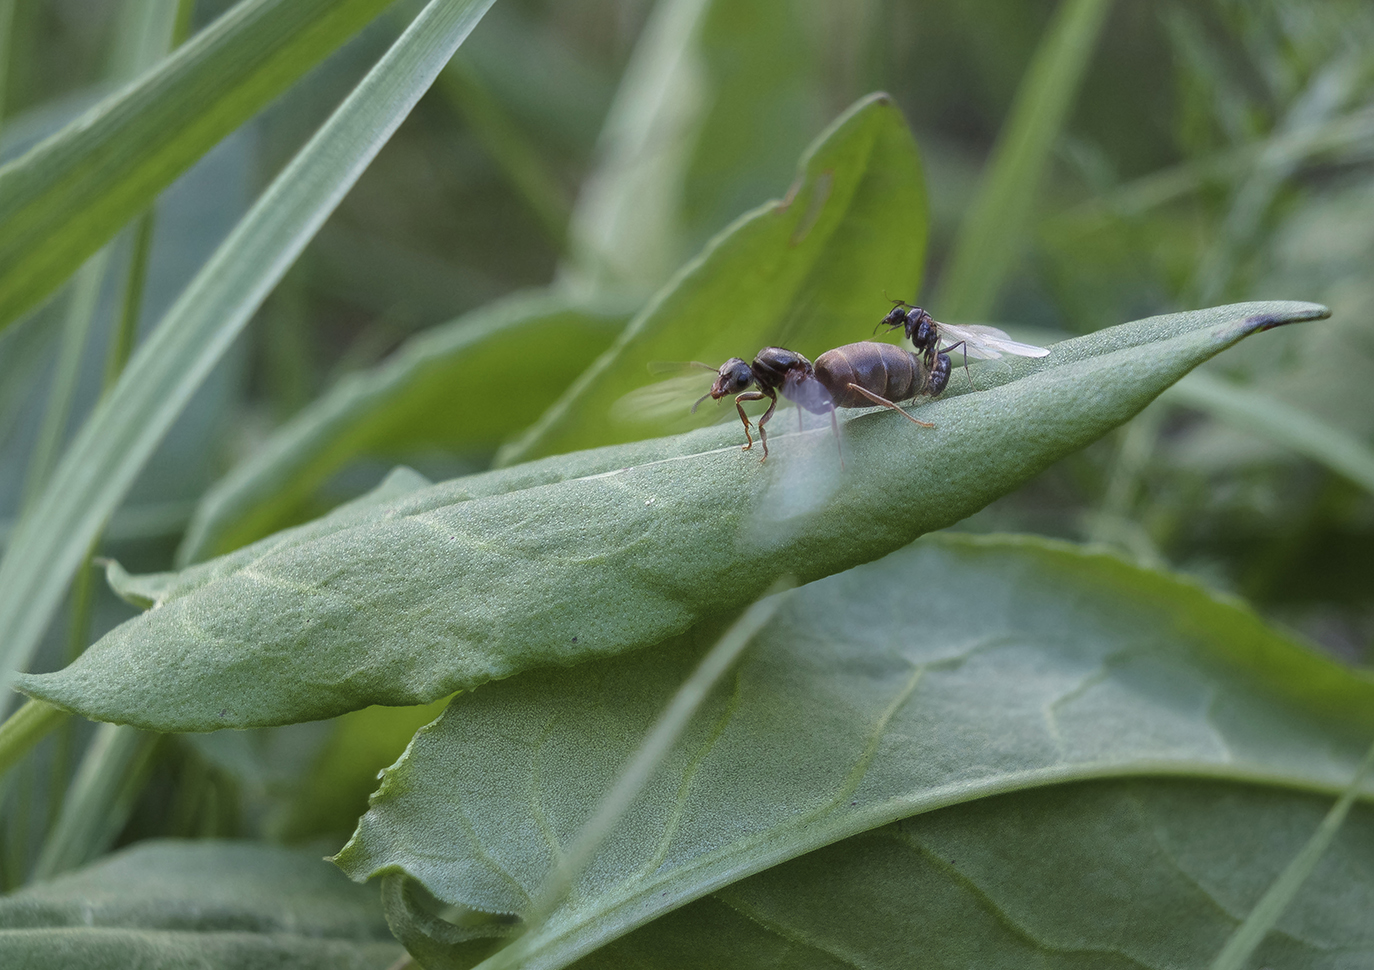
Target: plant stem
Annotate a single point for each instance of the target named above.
(25, 728)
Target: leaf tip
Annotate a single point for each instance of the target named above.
(37, 687)
(1281, 315)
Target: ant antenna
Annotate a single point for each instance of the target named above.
(699, 400)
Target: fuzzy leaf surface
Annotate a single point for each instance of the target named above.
(599, 552)
(107, 453)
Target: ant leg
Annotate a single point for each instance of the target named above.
(748, 396)
(888, 404)
(835, 427)
(763, 435)
(967, 373)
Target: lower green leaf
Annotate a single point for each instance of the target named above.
(953, 670)
(217, 905)
(1114, 875)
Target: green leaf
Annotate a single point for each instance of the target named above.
(1278, 898)
(992, 231)
(958, 668)
(807, 272)
(126, 427)
(68, 196)
(147, 590)
(599, 552)
(463, 386)
(1113, 875)
(766, 96)
(217, 905)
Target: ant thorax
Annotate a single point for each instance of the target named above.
(776, 367)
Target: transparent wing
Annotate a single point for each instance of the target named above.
(987, 343)
(807, 393)
(665, 401)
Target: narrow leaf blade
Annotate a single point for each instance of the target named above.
(995, 225)
(65, 198)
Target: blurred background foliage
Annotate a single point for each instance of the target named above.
(1200, 153)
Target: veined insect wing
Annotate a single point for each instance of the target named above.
(985, 342)
(667, 401)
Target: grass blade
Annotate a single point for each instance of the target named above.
(109, 451)
(655, 746)
(106, 784)
(144, 38)
(76, 328)
(624, 227)
(1276, 421)
(990, 235)
(25, 728)
(66, 197)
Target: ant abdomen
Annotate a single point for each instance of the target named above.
(883, 369)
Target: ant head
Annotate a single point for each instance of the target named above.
(896, 319)
(735, 375)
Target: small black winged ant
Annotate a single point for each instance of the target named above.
(976, 340)
(853, 376)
